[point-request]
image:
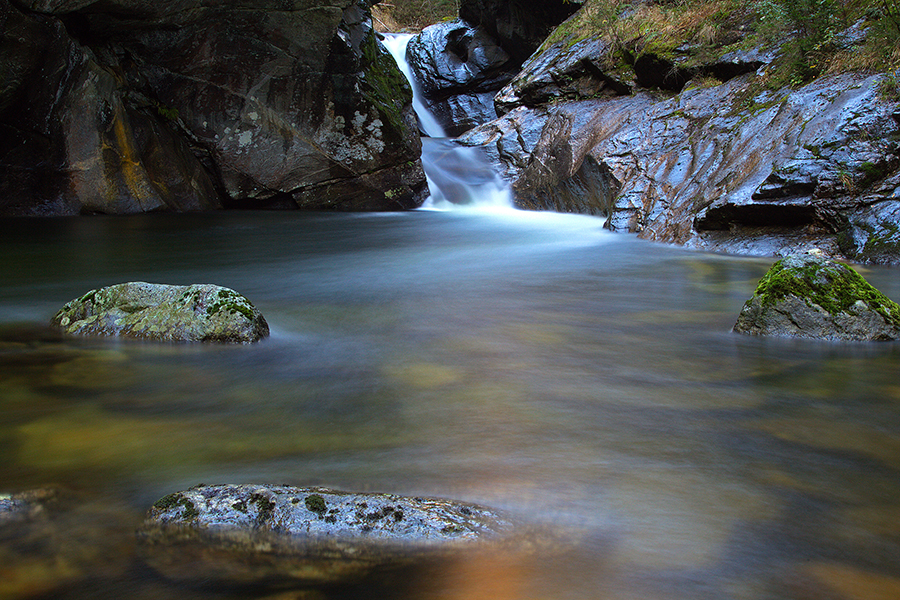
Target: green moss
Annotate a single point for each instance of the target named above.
(166, 112)
(884, 241)
(91, 296)
(167, 502)
(232, 302)
(829, 285)
(264, 506)
(316, 504)
(871, 172)
(384, 85)
(174, 501)
(190, 511)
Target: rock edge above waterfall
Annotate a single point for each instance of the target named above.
(810, 296)
(254, 534)
(194, 313)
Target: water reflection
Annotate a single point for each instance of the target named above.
(585, 382)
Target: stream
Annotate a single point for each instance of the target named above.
(586, 382)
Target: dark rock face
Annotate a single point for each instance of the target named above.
(125, 106)
(810, 296)
(242, 534)
(459, 69)
(195, 313)
(584, 69)
(519, 25)
(71, 141)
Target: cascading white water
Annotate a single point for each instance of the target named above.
(457, 175)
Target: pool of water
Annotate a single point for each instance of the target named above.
(585, 382)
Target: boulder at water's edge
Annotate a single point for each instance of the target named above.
(810, 296)
(195, 313)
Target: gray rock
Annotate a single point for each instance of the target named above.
(195, 313)
(459, 68)
(564, 70)
(783, 172)
(242, 534)
(810, 296)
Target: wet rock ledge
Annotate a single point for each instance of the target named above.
(261, 534)
(194, 313)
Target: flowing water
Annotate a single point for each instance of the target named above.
(457, 175)
(583, 381)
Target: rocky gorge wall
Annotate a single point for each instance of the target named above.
(695, 151)
(793, 170)
(124, 106)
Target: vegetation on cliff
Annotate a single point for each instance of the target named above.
(811, 37)
(412, 15)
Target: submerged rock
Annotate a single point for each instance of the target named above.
(194, 313)
(51, 540)
(245, 534)
(813, 297)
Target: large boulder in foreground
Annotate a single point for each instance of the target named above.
(811, 296)
(194, 313)
(257, 534)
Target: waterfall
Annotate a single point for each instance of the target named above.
(457, 175)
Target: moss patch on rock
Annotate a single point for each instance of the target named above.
(814, 297)
(172, 501)
(830, 285)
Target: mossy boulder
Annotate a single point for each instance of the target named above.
(810, 296)
(262, 534)
(194, 313)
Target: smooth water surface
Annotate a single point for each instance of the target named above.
(583, 381)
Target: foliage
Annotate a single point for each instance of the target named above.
(812, 37)
(413, 15)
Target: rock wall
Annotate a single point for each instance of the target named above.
(519, 25)
(459, 70)
(123, 106)
(720, 165)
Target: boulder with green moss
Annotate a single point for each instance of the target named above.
(258, 534)
(194, 313)
(809, 296)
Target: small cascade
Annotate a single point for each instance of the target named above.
(457, 175)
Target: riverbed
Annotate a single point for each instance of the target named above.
(585, 382)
